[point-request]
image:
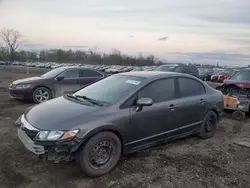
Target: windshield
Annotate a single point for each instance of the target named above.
(53, 73)
(222, 73)
(110, 89)
(165, 68)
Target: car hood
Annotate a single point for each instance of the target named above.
(27, 80)
(60, 114)
(238, 83)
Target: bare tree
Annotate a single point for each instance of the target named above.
(12, 39)
(3, 53)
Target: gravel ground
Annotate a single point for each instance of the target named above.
(190, 162)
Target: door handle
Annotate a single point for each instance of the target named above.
(202, 101)
(171, 107)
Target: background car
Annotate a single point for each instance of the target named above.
(54, 83)
(219, 76)
(205, 74)
(240, 79)
(181, 68)
(118, 115)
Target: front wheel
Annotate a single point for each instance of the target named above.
(41, 94)
(209, 126)
(100, 154)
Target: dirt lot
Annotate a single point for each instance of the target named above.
(191, 162)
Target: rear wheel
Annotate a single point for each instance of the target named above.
(209, 126)
(100, 154)
(41, 94)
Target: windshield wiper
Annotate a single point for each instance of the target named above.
(73, 97)
(89, 99)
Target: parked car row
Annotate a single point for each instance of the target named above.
(214, 75)
(113, 116)
(110, 69)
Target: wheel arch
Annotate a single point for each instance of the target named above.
(216, 112)
(106, 128)
(36, 87)
(47, 87)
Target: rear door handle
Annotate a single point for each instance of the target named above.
(202, 101)
(171, 107)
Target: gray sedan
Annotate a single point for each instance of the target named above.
(118, 115)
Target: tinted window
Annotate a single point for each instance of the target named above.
(190, 87)
(159, 91)
(179, 69)
(53, 73)
(70, 74)
(242, 76)
(111, 89)
(193, 69)
(90, 73)
(186, 69)
(165, 68)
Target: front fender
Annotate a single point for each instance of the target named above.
(84, 136)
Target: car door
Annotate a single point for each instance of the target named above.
(156, 122)
(88, 76)
(69, 83)
(191, 103)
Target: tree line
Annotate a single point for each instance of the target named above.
(12, 39)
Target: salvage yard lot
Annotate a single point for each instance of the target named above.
(190, 162)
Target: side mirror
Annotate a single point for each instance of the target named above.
(145, 102)
(59, 78)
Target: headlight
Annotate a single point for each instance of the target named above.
(55, 135)
(22, 86)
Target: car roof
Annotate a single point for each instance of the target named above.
(247, 69)
(173, 64)
(151, 74)
(76, 67)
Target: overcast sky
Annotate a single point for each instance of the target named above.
(177, 30)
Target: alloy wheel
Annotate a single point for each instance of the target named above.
(42, 95)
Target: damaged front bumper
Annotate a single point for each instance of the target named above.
(48, 150)
(29, 144)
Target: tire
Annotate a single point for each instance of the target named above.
(238, 115)
(99, 145)
(43, 92)
(209, 126)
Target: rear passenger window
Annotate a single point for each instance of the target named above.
(159, 91)
(193, 69)
(90, 73)
(70, 74)
(178, 69)
(190, 87)
(186, 69)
